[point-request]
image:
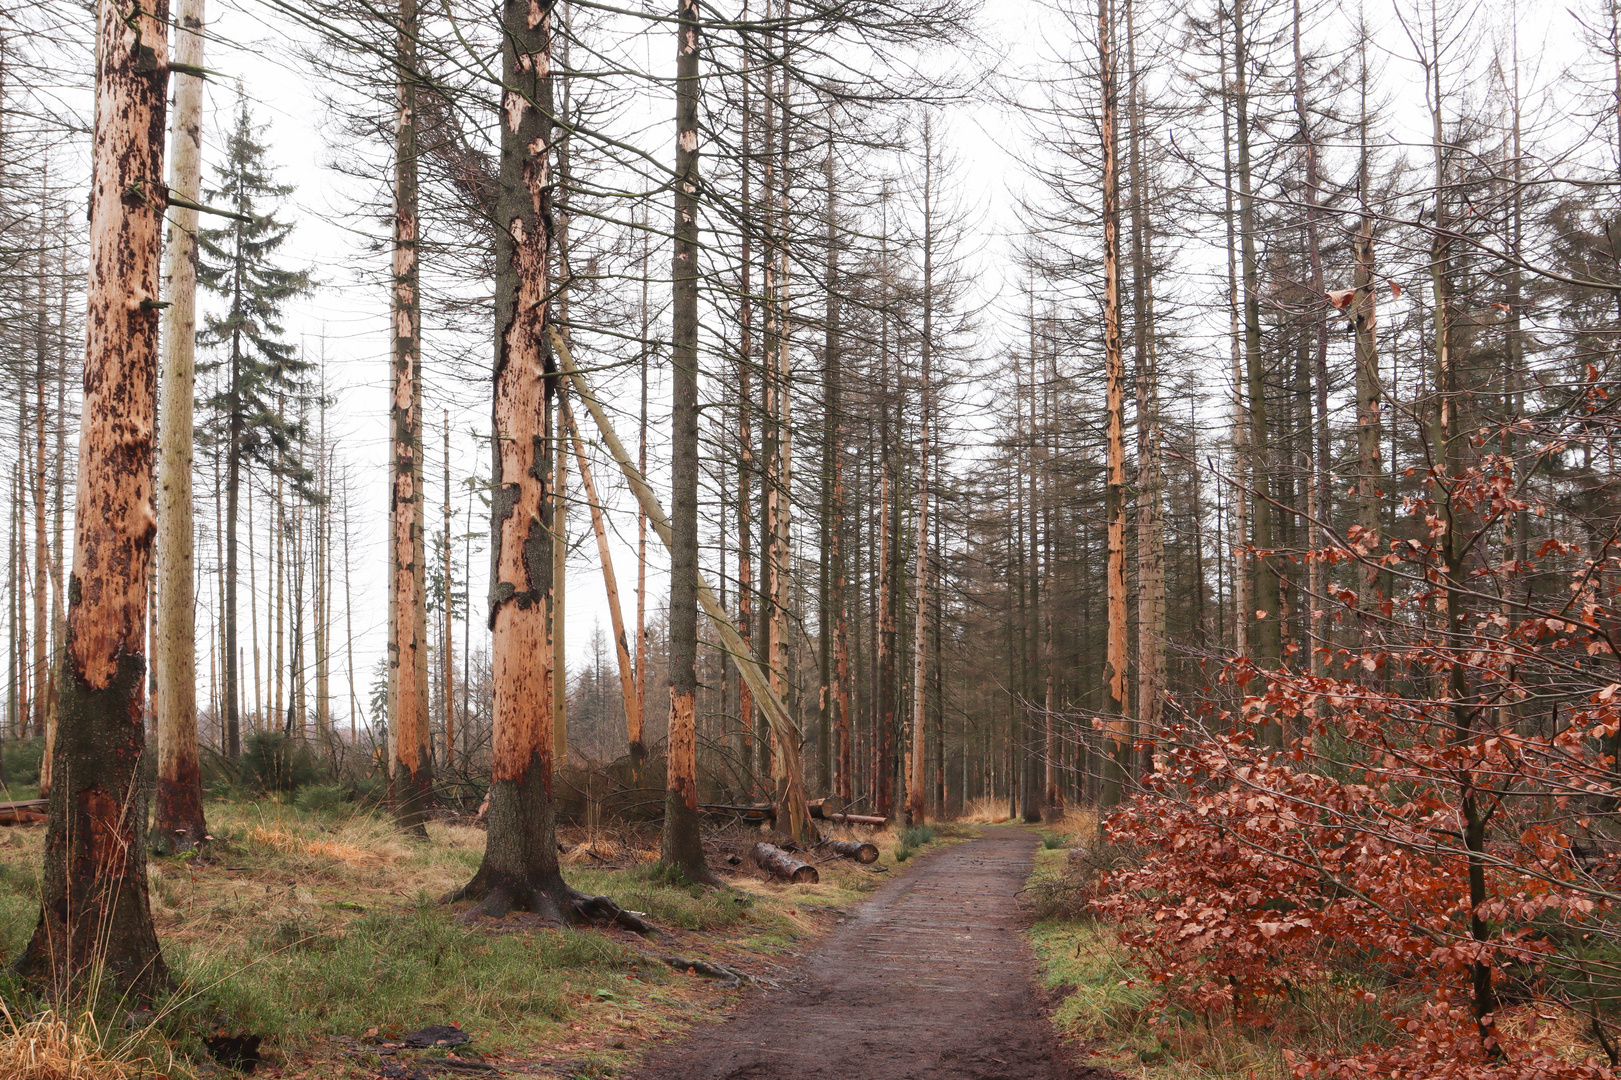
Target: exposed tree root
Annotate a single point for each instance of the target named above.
(559, 904)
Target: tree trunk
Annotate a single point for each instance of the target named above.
(560, 581)
(916, 810)
(519, 869)
(448, 684)
(178, 823)
(94, 914)
(411, 769)
(1150, 474)
(627, 673)
(681, 850)
(1268, 619)
(1115, 407)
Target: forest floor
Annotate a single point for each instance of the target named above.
(320, 930)
(929, 978)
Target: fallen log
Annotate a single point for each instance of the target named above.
(859, 819)
(858, 850)
(778, 862)
(821, 809)
(25, 812)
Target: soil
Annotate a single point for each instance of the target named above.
(928, 979)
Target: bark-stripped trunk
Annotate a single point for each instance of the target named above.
(681, 849)
(94, 912)
(447, 642)
(1150, 473)
(1115, 408)
(559, 584)
(519, 869)
(627, 673)
(411, 768)
(178, 823)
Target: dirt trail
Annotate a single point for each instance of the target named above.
(929, 979)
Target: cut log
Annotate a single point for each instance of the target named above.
(773, 860)
(858, 850)
(859, 819)
(822, 808)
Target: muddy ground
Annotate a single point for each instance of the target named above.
(929, 980)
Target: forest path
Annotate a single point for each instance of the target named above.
(928, 979)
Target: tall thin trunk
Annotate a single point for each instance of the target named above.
(1150, 472)
(637, 745)
(94, 911)
(833, 380)
(519, 869)
(560, 580)
(178, 820)
(627, 673)
(447, 642)
(411, 767)
(1268, 619)
(1115, 407)
(681, 850)
(1321, 507)
(916, 780)
(1243, 605)
(1369, 394)
(884, 737)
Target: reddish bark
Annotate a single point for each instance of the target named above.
(94, 911)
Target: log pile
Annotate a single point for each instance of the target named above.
(778, 863)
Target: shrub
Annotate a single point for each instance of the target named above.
(19, 765)
(318, 797)
(916, 836)
(1052, 842)
(902, 852)
(273, 762)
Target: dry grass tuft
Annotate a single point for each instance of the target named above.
(289, 844)
(1080, 825)
(987, 810)
(1559, 1033)
(49, 1048)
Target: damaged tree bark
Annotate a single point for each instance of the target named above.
(520, 870)
(94, 913)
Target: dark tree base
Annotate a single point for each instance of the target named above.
(553, 901)
(177, 814)
(520, 871)
(413, 802)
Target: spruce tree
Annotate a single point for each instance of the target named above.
(262, 376)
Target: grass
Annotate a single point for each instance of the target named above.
(318, 926)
